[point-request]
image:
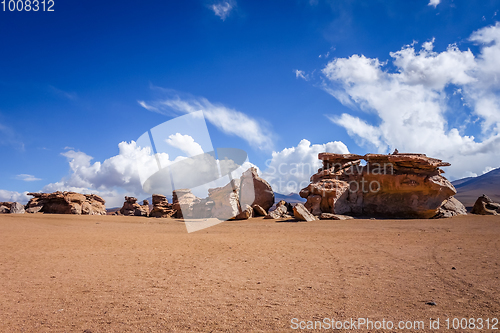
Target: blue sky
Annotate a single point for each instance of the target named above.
(293, 77)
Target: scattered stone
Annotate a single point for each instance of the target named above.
(330, 216)
(395, 186)
(302, 214)
(259, 211)
(282, 211)
(66, 203)
(431, 303)
(453, 268)
(245, 214)
(452, 207)
(485, 206)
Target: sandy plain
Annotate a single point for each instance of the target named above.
(61, 273)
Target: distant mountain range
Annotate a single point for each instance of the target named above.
(470, 188)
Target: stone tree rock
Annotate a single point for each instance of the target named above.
(485, 206)
(132, 208)
(255, 190)
(66, 203)
(395, 185)
(161, 207)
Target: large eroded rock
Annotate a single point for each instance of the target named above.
(394, 185)
(161, 207)
(132, 208)
(255, 190)
(66, 203)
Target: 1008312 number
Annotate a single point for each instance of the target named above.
(27, 5)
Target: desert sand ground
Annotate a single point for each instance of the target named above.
(61, 273)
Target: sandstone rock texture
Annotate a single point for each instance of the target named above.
(393, 186)
(485, 206)
(66, 203)
(283, 210)
(132, 208)
(161, 207)
(301, 213)
(255, 190)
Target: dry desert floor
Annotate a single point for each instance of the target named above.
(61, 273)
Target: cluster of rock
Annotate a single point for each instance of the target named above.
(395, 185)
(241, 198)
(11, 208)
(485, 206)
(66, 203)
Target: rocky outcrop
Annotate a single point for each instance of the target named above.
(66, 203)
(161, 207)
(132, 208)
(5, 207)
(485, 206)
(395, 185)
(255, 190)
(301, 213)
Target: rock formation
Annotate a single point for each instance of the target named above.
(255, 190)
(240, 199)
(183, 201)
(161, 207)
(132, 208)
(17, 208)
(11, 208)
(66, 203)
(226, 200)
(485, 206)
(283, 210)
(395, 185)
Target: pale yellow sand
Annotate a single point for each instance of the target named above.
(61, 273)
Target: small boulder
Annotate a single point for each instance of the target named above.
(259, 211)
(245, 214)
(4, 210)
(302, 214)
(485, 206)
(282, 211)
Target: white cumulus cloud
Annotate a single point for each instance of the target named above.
(411, 104)
(185, 143)
(223, 9)
(12, 196)
(289, 170)
(434, 3)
